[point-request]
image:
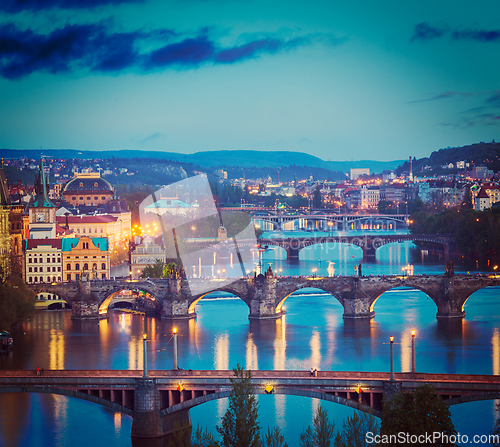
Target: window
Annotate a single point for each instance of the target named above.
(53, 260)
(103, 198)
(31, 279)
(68, 266)
(96, 198)
(83, 231)
(29, 260)
(81, 198)
(53, 269)
(96, 185)
(36, 270)
(36, 278)
(94, 266)
(103, 266)
(58, 259)
(35, 260)
(30, 269)
(48, 260)
(59, 278)
(68, 277)
(81, 185)
(103, 276)
(58, 269)
(73, 198)
(85, 266)
(88, 198)
(41, 278)
(77, 277)
(77, 267)
(41, 269)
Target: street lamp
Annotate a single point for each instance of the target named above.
(145, 357)
(175, 348)
(392, 359)
(413, 351)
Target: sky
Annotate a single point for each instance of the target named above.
(340, 80)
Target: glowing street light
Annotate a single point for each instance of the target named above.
(175, 348)
(145, 357)
(413, 351)
(392, 359)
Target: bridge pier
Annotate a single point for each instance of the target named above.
(451, 303)
(147, 419)
(264, 299)
(357, 305)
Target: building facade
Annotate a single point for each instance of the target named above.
(43, 260)
(85, 258)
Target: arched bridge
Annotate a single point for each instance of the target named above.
(326, 221)
(368, 243)
(265, 296)
(159, 403)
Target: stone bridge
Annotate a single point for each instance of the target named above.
(159, 401)
(265, 296)
(368, 243)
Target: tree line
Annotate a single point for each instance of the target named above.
(416, 414)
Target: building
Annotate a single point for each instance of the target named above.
(87, 189)
(370, 196)
(357, 172)
(146, 253)
(491, 189)
(85, 258)
(42, 212)
(482, 200)
(43, 260)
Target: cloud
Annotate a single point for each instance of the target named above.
(95, 48)
(423, 31)
(444, 95)
(149, 138)
(494, 99)
(477, 35)
(13, 6)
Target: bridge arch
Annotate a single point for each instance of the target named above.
(319, 288)
(69, 393)
(186, 405)
(429, 293)
(227, 289)
(104, 303)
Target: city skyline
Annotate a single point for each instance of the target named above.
(337, 81)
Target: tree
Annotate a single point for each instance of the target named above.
(240, 427)
(417, 412)
(16, 302)
(322, 433)
(273, 438)
(154, 271)
(169, 270)
(355, 428)
(202, 438)
(317, 202)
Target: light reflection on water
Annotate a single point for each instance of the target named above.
(312, 334)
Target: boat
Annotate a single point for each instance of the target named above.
(6, 342)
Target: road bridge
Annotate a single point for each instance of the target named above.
(368, 243)
(159, 403)
(330, 221)
(266, 296)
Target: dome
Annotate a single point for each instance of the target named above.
(88, 185)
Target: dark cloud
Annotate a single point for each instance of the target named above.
(494, 99)
(14, 6)
(479, 36)
(95, 48)
(439, 96)
(423, 31)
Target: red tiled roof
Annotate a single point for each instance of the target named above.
(483, 194)
(61, 220)
(34, 243)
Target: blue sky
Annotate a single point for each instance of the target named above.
(339, 80)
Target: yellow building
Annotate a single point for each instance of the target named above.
(85, 256)
(87, 189)
(116, 228)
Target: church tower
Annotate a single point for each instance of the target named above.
(42, 212)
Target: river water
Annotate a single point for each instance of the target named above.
(311, 334)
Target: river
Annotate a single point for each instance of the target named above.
(311, 334)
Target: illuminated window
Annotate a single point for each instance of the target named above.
(103, 266)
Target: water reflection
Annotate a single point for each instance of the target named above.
(56, 349)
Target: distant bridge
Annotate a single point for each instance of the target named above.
(159, 403)
(266, 296)
(368, 243)
(330, 221)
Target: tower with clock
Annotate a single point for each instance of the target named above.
(42, 212)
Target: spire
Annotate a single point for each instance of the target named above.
(4, 190)
(41, 195)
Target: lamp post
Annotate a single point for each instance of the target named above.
(145, 360)
(392, 359)
(413, 351)
(175, 348)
